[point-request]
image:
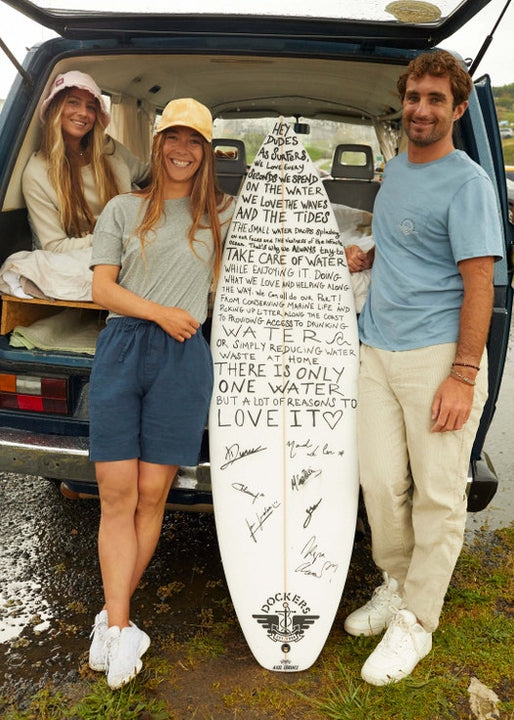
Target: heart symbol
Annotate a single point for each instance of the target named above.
(332, 418)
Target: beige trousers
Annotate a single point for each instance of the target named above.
(414, 481)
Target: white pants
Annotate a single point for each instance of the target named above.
(414, 481)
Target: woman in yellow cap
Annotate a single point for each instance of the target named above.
(156, 255)
(78, 169)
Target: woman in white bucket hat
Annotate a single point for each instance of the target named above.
(78, 168)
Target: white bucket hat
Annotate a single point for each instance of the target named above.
(75, 78)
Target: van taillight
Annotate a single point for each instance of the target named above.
(36, 394)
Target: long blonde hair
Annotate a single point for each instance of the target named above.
(65, 174)
(206, 199)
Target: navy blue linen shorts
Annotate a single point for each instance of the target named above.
(149, 394)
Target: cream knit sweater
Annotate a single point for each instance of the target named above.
(41, 198)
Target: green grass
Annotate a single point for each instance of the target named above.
(508, 150)
(100, 703)
(203, 678)
(126, 704)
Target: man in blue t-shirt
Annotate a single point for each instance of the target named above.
(423, 378)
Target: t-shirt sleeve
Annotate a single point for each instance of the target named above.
(108, 235)
(474, 221)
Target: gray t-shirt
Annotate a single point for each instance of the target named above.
(170, 273)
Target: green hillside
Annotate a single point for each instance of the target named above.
(504, 100)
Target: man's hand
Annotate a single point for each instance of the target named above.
(452, 405)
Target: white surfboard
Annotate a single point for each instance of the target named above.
(282, 426)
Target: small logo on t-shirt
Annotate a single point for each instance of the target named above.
(407, 227)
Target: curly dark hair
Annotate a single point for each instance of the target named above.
(440, 64)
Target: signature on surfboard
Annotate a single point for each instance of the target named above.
(233, 453)
(241, 487)
(261, 518)
(315, 562)
(309, 512)
(301, 478)
(310, 449)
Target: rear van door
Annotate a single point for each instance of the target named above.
(239, 44)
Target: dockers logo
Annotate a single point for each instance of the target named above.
(285, 617)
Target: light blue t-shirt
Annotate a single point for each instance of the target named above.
(427, 218)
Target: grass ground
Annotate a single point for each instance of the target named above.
(213, 676)
(508, 151)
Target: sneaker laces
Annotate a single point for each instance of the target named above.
(96, 625)
(399, 634)
(382, 595)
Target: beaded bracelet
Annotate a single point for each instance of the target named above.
(462, 378)
(475, 367)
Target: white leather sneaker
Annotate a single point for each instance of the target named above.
(404, 644)
(377, 613)
(125, 648)
(97, 647)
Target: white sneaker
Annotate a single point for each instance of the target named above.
(97, 648)
(125, 648)
(404, 644)
(377, 613)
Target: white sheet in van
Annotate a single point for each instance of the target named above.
(58, 276)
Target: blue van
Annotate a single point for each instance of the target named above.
(333, 77)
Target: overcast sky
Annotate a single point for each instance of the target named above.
(19, 33)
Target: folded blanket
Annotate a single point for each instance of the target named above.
(72, 330)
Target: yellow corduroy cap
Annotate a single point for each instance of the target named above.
(187, 112)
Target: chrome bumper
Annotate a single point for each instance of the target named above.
(54, 456)
(67, 459)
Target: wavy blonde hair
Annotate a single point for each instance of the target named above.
(206, 199)
(65, 175)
